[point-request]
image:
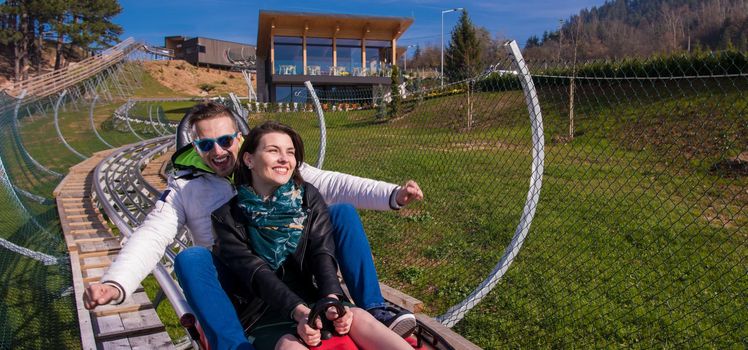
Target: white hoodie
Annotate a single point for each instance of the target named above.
(191, 197)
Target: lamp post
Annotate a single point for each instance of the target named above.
(405, 57)
(443, 12)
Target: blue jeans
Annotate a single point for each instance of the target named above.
(206, 281)
(354, 257)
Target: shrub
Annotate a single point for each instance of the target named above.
(396, 99)
(207, 87)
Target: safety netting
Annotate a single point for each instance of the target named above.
(44, 131)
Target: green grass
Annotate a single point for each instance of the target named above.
(173, 110)
(36, 311)
(151, 88)
(623, 250)
(32, 294)
(636, 242)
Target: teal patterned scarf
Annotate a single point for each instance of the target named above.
(275, 225)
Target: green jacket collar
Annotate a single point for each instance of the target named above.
(186, 158)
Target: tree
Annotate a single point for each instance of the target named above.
(395, 98)
(15, 33)
(77, 23)
(92, 23)
(23, 21)
(490, 48)
(532, 41)
(627, 28)
(428, 57)
(462, 57)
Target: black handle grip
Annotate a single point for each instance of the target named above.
(319, 309)
(321, 306)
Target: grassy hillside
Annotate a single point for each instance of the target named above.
(638, 241)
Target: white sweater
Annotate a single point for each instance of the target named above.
(190, 201)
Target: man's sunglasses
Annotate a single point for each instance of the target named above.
(207, 144)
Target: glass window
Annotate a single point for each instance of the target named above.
(318, 55)
(319, 41)
(201, 48)
(288, 55)
(300, 94)
(287, 40)
(372, 60)
(348, 42)
(291, 93)
(349, 55)
(377, 43)
(283, 93)
(377, 55)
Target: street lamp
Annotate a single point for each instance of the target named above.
(405, 57)
(443, 12)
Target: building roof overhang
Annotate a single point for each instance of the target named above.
(323, 25)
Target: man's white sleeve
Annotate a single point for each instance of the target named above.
(337, 187)
(147, 245)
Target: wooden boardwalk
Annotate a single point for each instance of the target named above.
(155, 171)
(93, 247)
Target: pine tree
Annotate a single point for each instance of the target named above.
(83, 23)
(462, 57)
(532, 41)
(92, 23)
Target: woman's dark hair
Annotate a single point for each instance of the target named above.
(243, 174)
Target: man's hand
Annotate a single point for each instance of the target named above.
(342, 324)
(99, 294)
(308, 335)
(408, 193)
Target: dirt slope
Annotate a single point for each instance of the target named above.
(185, 78)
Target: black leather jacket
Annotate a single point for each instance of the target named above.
(313, 261)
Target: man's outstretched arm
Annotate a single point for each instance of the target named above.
(361, 192)
(141, 253)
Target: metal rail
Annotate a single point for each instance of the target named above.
(457, 312)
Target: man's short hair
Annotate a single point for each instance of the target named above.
(208, 110)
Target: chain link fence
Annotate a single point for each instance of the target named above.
(639, 235)
(636, 173)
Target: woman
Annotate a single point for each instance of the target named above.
(275, 235)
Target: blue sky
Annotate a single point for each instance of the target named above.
(235, 20)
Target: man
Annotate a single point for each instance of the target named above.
(202, 183)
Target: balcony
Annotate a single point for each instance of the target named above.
(338, 71)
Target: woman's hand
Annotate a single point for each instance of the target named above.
(308, 335)
(342, 324)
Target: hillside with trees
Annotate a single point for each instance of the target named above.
(72, 29)
(642, 28)
(617, 29)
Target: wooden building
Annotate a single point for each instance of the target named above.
(342, 55)
(207, 52)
